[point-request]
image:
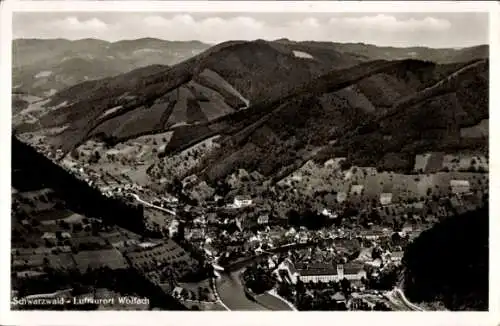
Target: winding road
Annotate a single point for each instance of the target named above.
(398, 299)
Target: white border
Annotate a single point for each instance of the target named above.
(255, 6)
(244, 318)
(494, 164)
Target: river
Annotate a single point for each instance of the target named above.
(232, 293)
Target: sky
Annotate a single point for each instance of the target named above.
(437, 30)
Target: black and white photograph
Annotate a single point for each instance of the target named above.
(250, 161)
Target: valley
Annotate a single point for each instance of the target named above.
(186, 166)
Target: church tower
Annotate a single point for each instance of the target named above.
(340, 271)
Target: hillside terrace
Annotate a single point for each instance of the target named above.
(162, 253)
(365, 182)
(94, 259)
(59, 261)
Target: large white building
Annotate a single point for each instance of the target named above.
(385, 198)
(321, 272)
(263, 219)
(460, 186)
(242, 201)
(329, 272)
(173, 228)
(357, 189)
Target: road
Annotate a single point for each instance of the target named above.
(166, 210)
(399, 301)
(399, 293)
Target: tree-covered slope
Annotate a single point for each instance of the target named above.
(449, 263)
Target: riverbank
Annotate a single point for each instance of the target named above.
(275, 294)
(267, 299)
(213, 284)
(231, 292)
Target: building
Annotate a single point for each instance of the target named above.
(302, 237)
(330, 163)
(397, 256)
(357, 189)
(407, 229)
(270, 263)
(173, 228)
(242, 201)
(341, 196)
(385, 198)
(49, 235)
(460, 186)
(329, 214)
(200, 220)
(320, 273)
(263, 219)
(353, 271)
(171, 200)
(195, 234)
(177, 292)
(330, 272)
(372, 234)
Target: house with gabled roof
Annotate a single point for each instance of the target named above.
(385, 198)
(460, 186)
(242, 201)
(357, 189)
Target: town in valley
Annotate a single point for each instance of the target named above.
(248, 175)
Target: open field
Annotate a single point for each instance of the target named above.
(312, 178)
(94, 259)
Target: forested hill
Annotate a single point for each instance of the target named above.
(449, 263)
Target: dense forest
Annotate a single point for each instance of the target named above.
(449, 263)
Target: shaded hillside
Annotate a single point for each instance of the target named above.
(449, 263)
(432, 120)
(41, 67)
(31, 171)
(356, 112)
(220, 81)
